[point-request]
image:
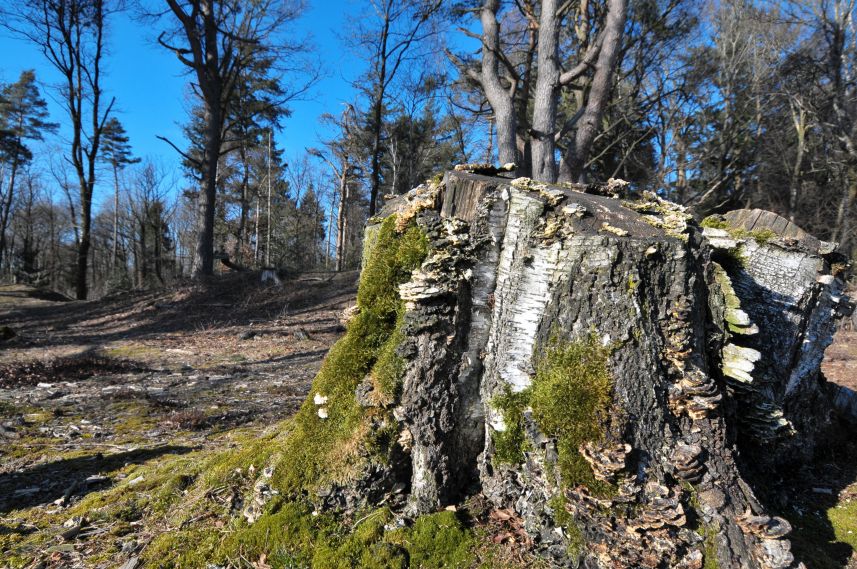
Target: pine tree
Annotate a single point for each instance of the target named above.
(23, 117)
(116, 151)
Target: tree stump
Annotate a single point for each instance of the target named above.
(596, 363)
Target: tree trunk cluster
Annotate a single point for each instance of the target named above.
(609, 369)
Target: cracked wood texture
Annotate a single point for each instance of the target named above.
(714, 339)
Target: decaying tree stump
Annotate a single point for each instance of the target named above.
(595, 363)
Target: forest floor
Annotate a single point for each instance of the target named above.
(90, 389)
(87, 388)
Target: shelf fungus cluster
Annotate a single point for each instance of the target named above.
(662, 507)
(606, 461)
(696, 395)
(762, 416)
(688, 462)
(634, 352)
(772, 551)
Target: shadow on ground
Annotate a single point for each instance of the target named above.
(49, 481)
(227, 300)
(804, 494)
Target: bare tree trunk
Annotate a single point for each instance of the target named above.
(115, 217)
(241, 233)
(841, 227)
(342, 217)
(799, 119)
(204, 260)
(85, 243)
(498, 96)
(377, 110)
(546, 97)
(7, 205)
(573, 164)
(524, 141)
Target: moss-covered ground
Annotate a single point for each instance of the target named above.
(183, 508)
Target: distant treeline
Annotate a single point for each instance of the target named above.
(716, 106)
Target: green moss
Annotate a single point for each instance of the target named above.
(319, 450)
(290, 535)
(710, 548)
(131, 351)
(576, 541)
(181, 549)
(571, 398)
(715, 222)
(843, 518)
(693, 496)
(564, 519)
(436, 541)
(560, 513)
(737, 255)
(388, 370)
(826, 539)
(257, 450)
(760, 236)
(360, 547)
(633, 283)
(510, 444)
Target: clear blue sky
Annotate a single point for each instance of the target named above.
(150, 84)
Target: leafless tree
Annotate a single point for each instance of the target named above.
(388, 38)
(71, 35)
(513, 85)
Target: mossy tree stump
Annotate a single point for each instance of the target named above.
(595, 363)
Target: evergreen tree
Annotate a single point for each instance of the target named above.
(23, 117)
(116, 151)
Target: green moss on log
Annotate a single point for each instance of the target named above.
(760, 236)
(709, 535)
(571, 397)
(511, 443)
(318, 449)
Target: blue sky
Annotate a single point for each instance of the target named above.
(150, 85)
